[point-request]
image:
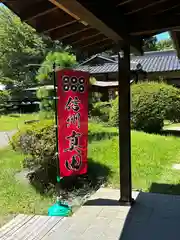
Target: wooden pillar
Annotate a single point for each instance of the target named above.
(124, 127)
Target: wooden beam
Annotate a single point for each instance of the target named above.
(95, 42)
(106, 43)
(80, 35)
(58, 20)
(152, 31)
(145, 6)
(69, 33)
(156, 24)
(98, 48)
(76, 9)
(117, 22)
(60, 26)
(123, 3)
(90, 17)
(89, 42)
(9, 1)
(36, 9)
(124, 127)
(79, 41)
(167, 9)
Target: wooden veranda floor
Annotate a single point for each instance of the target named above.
(152, 217)
(32, 227)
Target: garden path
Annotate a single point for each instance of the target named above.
(4, 138)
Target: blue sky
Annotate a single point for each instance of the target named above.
(163, 36)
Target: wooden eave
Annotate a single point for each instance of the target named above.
(94, 26)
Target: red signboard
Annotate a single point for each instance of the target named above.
(72, 121)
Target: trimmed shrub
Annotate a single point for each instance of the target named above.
(37, 142)
(148, 113)
(152, 103)
(168, 98)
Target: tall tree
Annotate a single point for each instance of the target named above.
(21, 46)
(60, 59)
(165, 44)
(150, 44)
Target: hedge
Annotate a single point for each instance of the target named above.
(152, 103)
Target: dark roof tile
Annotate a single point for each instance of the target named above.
(163, 61)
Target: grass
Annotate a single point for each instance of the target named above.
(97, 131)
(16, 197)
(99, 128)
(152, 159)
(14, 121)
(168, 125)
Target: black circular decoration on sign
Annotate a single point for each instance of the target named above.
(81, 88)
(74, 88)
(81, 80)
(66, 79)
(66, 88)
(74, 80)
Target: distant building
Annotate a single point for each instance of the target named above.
(163, 65)
(104, 70)
(159, 65)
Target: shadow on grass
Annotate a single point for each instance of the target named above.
(165, 188)
(14, 115)
(172, 132)
(45, 182)
(101, 135)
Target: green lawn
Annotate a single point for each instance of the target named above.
(152, 159)
(14, 121)
(16, 197)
